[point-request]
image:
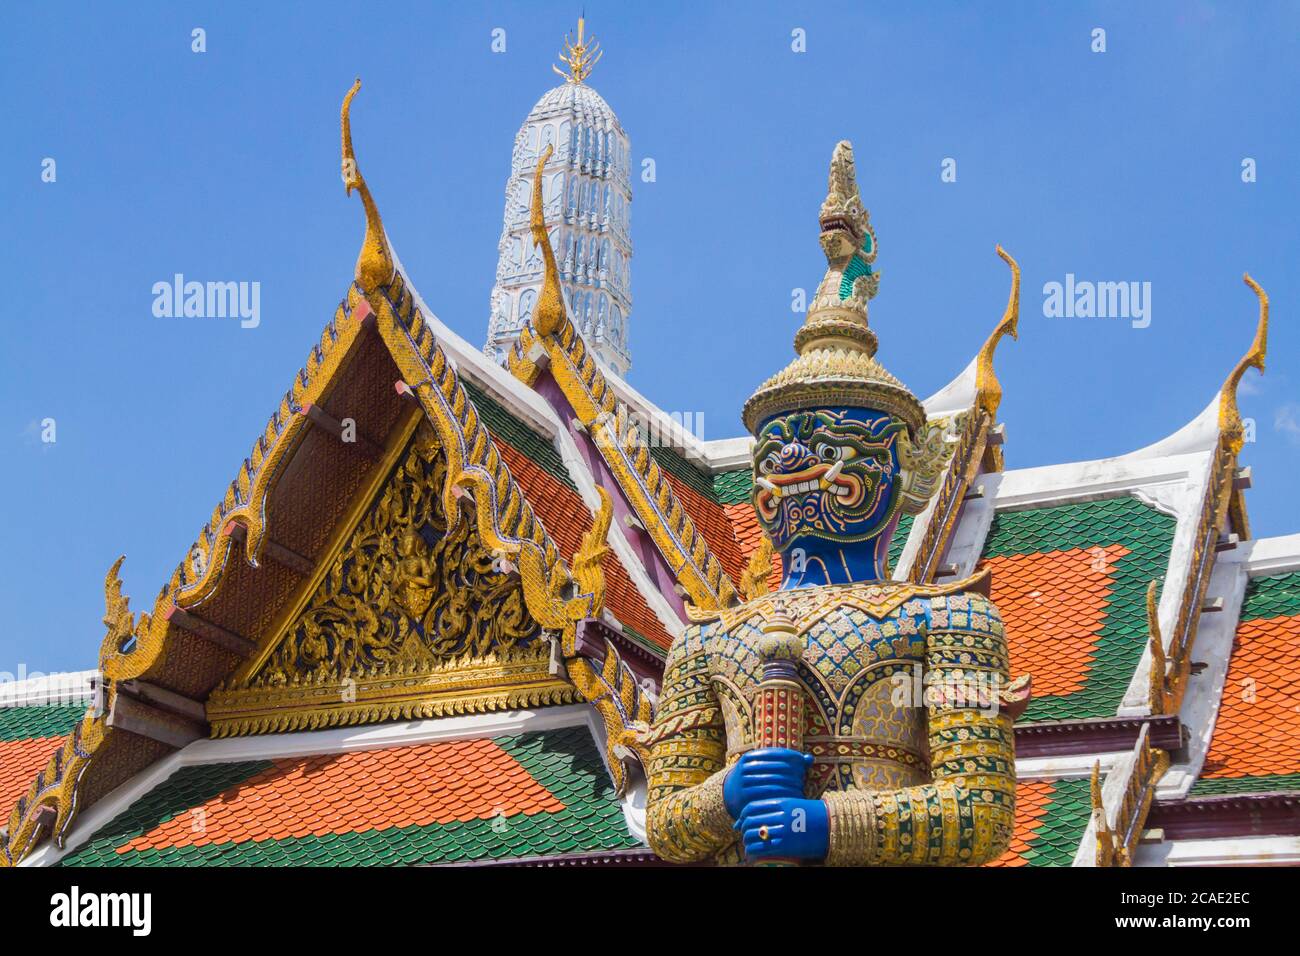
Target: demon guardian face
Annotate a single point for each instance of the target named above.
(828, 475)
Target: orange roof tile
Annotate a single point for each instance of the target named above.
(567, 519)
(1054, 604)
(1255, 733)
(418, 785)
(744, 525)
(1033, 797)
(20, 762)
(712, 521)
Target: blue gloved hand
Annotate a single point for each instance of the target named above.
(764, 774)
(795, 829)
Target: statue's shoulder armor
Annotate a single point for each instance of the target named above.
(970, 595)
(692, 641)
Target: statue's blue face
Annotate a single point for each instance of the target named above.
(826, 475)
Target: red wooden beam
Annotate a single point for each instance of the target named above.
(327, 422)
(212, 633)
(285, 557)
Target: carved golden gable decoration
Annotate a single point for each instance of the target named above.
(403, 619)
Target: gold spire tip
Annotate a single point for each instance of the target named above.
(581, 57)
(988, 388)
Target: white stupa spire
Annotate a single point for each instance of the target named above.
(587, 196)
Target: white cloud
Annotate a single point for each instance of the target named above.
(1287, 421)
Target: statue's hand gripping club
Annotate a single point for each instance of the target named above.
(764, 791)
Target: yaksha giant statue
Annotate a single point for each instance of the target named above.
(790, 728)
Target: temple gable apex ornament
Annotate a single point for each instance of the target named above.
(1231, 426)
(408, 615)
(375, 267)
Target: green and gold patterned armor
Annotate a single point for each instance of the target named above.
(896, 749)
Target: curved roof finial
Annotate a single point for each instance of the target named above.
(1231, 428)
(987, 387)
(581, 57)
(550, 304)
(374, 264)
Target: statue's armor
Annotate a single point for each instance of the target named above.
(904, 782)
(899, 685)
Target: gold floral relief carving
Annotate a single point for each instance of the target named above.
(403, 592)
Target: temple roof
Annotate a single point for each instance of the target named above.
(1109, 574)
(447, 801)
(1255, 747)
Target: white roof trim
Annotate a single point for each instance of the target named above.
(1070, 767)
(337, 740)
(1225, 851)
(729, 454)
(957, 396)
(1115, 783)
(684, 442)
(1200, 434)
(1269, 556)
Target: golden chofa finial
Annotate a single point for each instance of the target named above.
(550, 304)
(374, 264)
(1231, 428)
(987, 387)
(581, 57)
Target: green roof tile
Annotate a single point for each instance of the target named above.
(1148, 535)
(899, 541)
(1056, 840)
(505, 426)
(733, 487)
(1263, 784)
(564, 761)
(28, 723)
(1276, 596)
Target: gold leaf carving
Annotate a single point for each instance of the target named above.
(406, 591)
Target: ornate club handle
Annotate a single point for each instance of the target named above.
(779, 716)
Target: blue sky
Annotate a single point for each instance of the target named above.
(1115, 166)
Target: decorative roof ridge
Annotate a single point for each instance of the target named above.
(479, 477)
(960, 444)
(134, 644)
(1221, 505)
(550, 340)
(516, 397)
(1117, 822)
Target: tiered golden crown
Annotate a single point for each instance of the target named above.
(836, 348)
